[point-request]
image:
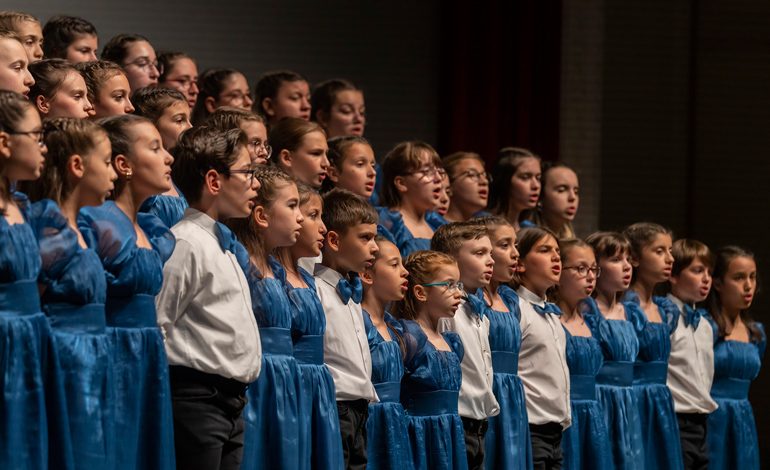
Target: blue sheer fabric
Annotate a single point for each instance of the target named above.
(169, 209)
(429, 391)
(614, 382)
(392, 226)
(320, 442)
(507, 439)
(272, 413)
(732, 431)
(143, 419)
(73, 300)
(586, 442)
(28, 359)
(387, 441)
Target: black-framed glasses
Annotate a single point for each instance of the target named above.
(475, 176)
(255, 145)
(251, 172)
(427, 172)
(583, 270)
(38, 135)
(450, 285)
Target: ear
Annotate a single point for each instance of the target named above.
(322, 118)
(267, 107)
(420, 293)
(284, 158)
(260, 217)
(520, 267)
(76, 166)
(122, 166)
(211, 182)
(716, 284)
(634, 261)
(5, 147)
(332, 240)
(367, 278)
(398, 183)
(42, 104)
(211, 104)
(333, 173)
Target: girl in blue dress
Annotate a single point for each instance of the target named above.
(320, 444)
(272, 412)
(133, 247)
(78, 173)
(516, 186)
(351, 166)
(507, 440)
(384, 282)
(431, 384)
(300, 150)
(739, 345)
(251, 124)
(607, 318)
(654, 319)
(59, 90)
(412, 183)
(586, 442)
(25, 336)
(467, 184)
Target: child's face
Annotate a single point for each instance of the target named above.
(572, 286)
(357, 247)
(256, 135)
(26, 153)
(470, 187)
(656, 260)
(236, 198)
(388, 276)
(140, 65)
(693, 283)
(474, 258)
(357, 173)
(70, 100)
(14, 75)
(32, 38)
(235, 92)
(560, 195)
(348, 114)
(174, 120)
(541, 268)
(504, 253)
(99, 175)
(423, 187)
(184, 78)
(312, 229)
(150, 162)
(82, 49)
(112, 98)
(308, 163)
(616, 273)
(284, 218)
(442, 205)
(739, 284)
(525, 185)
(441, 301)
(291, 100)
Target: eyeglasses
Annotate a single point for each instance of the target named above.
(425, 174)
(37, 135)
(144, 63)
(475, 176)
(583, 270)
(255, 145)
(450, 285)
(237, 96)
(251, 172)
(185, 83)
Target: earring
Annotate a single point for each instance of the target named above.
(129, 174)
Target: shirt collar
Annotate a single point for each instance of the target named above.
(677, 301)
(327, 274)
(530, 296)
(202, 220)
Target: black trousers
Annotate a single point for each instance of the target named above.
(208, 427)
(693, 435)
(546, 446)
(353, 415)
(475, 430)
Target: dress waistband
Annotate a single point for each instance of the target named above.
(650, 373)
(388, 391)
(618, 373)
(309, 349)
(89, 318)
(582, 387)
(276, 341)
(137, 311)
(505, 362)
(19, 298)
(731, 389)
(440, 402)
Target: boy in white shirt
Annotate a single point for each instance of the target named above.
(204, 306)
(469, 244)
(349, 248)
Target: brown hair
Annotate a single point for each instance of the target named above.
(449, 237)
(325, 95)
(422, 266)
(49, 74)
(152, 101)
(338, 147)
(95, 73)
(288, 133)
(60, 31)
(229, 117)
(13, 107)
(403, 159)
(122, 138)
(9, 20)
(210, 84)
(343, 210)
(685, 251)
(607, 245)
(268, 85)
(725, 256)
(565, 246)
(450, 162)
(567, 231)
(508, 161)
(526, 239)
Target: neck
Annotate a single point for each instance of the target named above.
(682, 298)
(513, 216)
(569, 308)
(424, 320)
(540, 292)
(644, 290)
(69, 208)
(491, 289)
(333, 262)
(373, 305)
(732, 316)
(608, 298)
(207, 207)
(459, 213)
(129, 202)
(407, 208)
(556, 224)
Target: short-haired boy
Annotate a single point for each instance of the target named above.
(469, 244)
(204, 306)
(349, 248)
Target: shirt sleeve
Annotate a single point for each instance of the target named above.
(180, 275)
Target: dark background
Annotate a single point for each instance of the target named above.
(663, 107)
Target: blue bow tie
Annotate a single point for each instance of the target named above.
(352, 289)
(229, 242)
(548, 308)
(692, 316)
(477, 303)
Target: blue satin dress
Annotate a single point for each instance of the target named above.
(169, 209)
(429, 391)
(392, 226)
(272, 413)
(732, 431)
(660, 429)
(320, 442)
(73, 300)
(586, 442)
(614, 383)
(28, 359)
(387, 441)
(143, 419)
(507, 439)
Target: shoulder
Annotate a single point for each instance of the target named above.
(161, 237)
(454, 342)
(45, 215)
(435, 220)
(669, 312)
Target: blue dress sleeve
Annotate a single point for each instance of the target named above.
(415, 342)
(669, 312)
(635, 315)
(435, 220)
(714, 327)
(511, 300)
(762, 341)
(57, 241)
(454, 341)
(591, 314)
(160, 236)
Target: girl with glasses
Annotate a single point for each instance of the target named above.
(468, 185)
(227, 117)
(136, 55)
(180, 72)
(220, 87)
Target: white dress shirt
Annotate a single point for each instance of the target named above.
(543, 363)
(477, 401)
(346, 349)
(204, 306)
(691, 365)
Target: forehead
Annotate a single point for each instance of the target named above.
(31, 119)
(313, 203)
(580, 254)
(73, 80)
(660, 239)
(447, 271)
(139, 49)
(742, 264)
(177, 107)
(184, 66)
(477, 243)
(349, 97)
(11, 50)
(562, 175)
(388, 249)
(315, 139)
(529, 165)
(547, 240)
(236, 81)
(117, 81)
(468, 164)
(300, 86)
(359, 229)
(359, 148)
(253, 129)
(84, 39)
(503, 231)
(144, 132)
(29, 28)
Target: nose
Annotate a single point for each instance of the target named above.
(129, 106)
(193, 89)
(324, 162)
(29, 80)
(300, 217)
(305, 103)
(92, 55)
(168, 158)
(247, 101)
(38, 52)
(154, 72)
(255, 184)
(87, 106)
(322, 228)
